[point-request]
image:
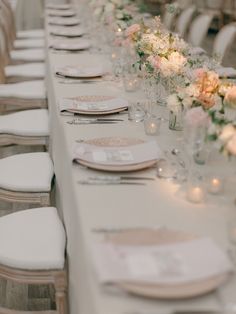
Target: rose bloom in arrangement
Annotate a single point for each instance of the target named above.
(228, 138)
(170, 65)
(208, 84)
(230, 97)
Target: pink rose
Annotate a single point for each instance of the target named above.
(130, 31)
(154, 61)
(199, 72)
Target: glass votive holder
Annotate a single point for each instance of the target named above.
(196, 191)
(195, 194)
(136, 111)
(215, 184)
(131, 83)
(152, 124)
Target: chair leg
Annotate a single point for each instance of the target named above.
(60, 292)
(61, 303)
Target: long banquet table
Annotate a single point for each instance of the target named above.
(83, 208)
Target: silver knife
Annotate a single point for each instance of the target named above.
(118, 178)
(91, 122)
(94, 182)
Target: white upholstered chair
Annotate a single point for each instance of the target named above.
(24, 95)
(169, 16)
(32, 251)
(19, 72)
(199, 28)
(215, 7)
(224, 40)
(26, 178)
(8, 20)
(15, 48)
(27, 127)
(184, 20)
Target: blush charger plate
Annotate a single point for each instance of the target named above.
(163, 291)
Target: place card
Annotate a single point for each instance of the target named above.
(112, 156)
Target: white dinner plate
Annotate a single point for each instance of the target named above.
(80, 71)
(62, 13)
(93, 105)
(67, 32)
(64, 21)
(58, 6)
(163, 236)
(121, 147)
(71, 45)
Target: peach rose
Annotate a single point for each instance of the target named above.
(227, 133)
(230, 96)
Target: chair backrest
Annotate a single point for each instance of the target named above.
(224, 39)
(199, 29)
(183, 4)
(214, 4)
(170, 15)
(8, 20)
(184, 19)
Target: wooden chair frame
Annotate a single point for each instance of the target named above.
(58, 278)
(41, 198)
(12, 139)
(8, 104)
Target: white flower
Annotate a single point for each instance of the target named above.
(110, 7)
(97, 11)
(227, 132)
(231, 145)
(187, 102)
(116, 2)
(173, 102)
(119, 15)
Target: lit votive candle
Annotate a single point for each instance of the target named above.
(195, 194)
(215, 185)
(152, 125)
(131, 83)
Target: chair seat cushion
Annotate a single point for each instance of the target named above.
(28, 55)
(25, 123)
(29, 43)
(31, 33)
(27, 70)
(32, 239)
(24, 90)
(31, 172)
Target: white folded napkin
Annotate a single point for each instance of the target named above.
(73, 105)
(177, 263)
(116, 156)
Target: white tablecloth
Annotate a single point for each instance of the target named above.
(86, 207)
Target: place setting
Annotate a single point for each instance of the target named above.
(115, 154)
(58, 6)
(159, 263)
(93, 106)
(64, 21)
(67, 32)
(72, 45)
(61, 13)
(81, 74)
